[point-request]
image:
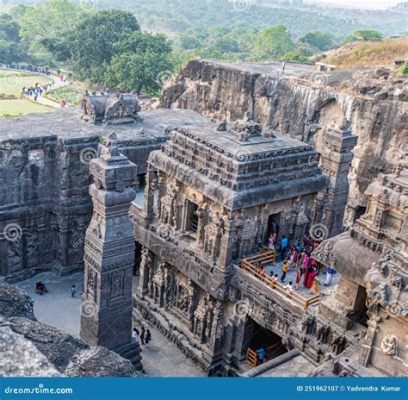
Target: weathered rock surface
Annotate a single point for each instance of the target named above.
(15, 303)
(20, 357)
(99, 362)
(301, 102)
(31, 348)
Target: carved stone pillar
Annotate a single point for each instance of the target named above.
(191, 303)
(336, 158)
(106, 305)
(162, 192)
(145, 267)
(149, 193)
(63, 230)
(228, 241)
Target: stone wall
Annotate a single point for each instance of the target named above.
(301, 102)
(45, 206)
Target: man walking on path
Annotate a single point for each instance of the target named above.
(148, 337)
(142, 335)
(73, 291)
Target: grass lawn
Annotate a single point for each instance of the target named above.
(71, 94)
(15, 108)
(11, 82)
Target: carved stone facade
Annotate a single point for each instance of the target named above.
(211, 198)
(110, 108)
(373, 291)
(45, 205)
(336, 156)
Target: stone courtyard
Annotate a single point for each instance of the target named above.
(58, 309)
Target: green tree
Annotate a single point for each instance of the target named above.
(10, 47)
(320, 41)
(364, 34)
(142, 63)
(273, 43)
(95, 40)
(44, 27)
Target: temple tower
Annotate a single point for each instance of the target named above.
(336, 157)
(106, 309)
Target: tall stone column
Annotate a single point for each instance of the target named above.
(106, 307)
(149, 193)
(336, 157)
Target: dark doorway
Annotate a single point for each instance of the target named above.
(192, 217)
(273, 225)
(142, 180)
(138, 259)
(360, 211)
(360, 309)
(258, 338)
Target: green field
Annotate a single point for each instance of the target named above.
(15, 108)
(72, 95)
(11, 82)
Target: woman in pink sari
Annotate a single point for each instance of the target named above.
(305, 266)
(310, 278)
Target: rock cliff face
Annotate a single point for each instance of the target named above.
(31, 348)
(302, 103)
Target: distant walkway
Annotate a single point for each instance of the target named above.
(57, 82)
(42, 99)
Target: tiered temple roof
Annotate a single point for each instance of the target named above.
(238, 165)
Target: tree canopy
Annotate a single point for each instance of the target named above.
(143, 63)
(95, 40)
(364, 34)
(318, 41)
(10, 47)
(273, 43)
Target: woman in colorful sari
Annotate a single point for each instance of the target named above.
(310, 277)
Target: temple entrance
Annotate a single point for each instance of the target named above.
(360, 211)
(138, 259)
(360, 315)
(273, 225)
(260, 344)
(142, 180)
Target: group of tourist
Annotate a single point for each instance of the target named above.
(40, 288)
(143, 337)
(297, 256)
(29, 68)
(35, 91)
